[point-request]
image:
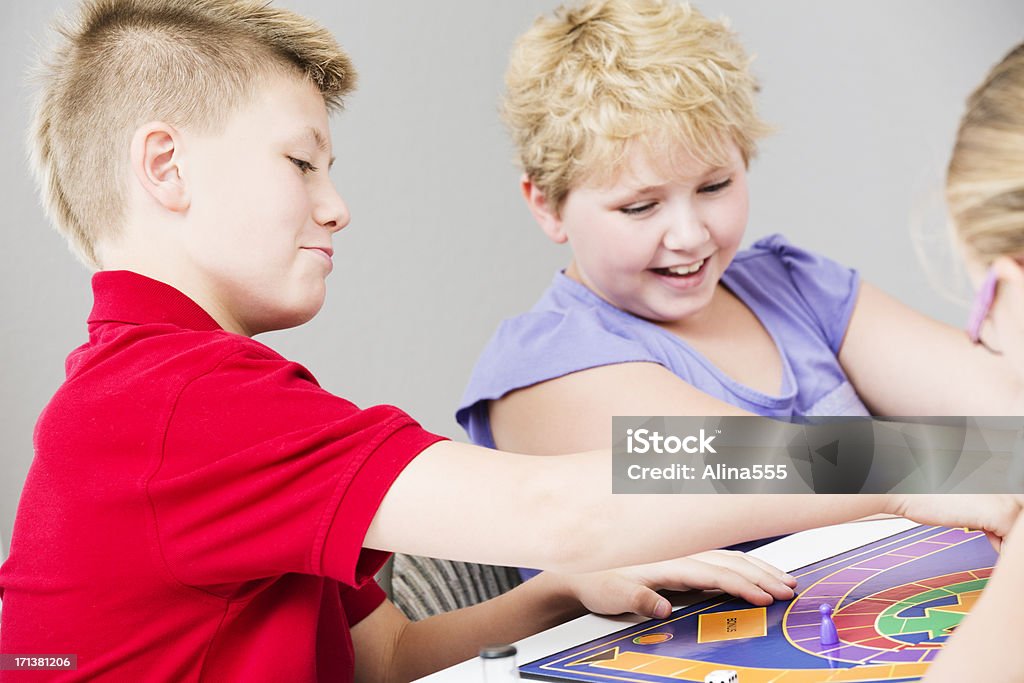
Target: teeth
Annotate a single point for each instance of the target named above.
(686, 270)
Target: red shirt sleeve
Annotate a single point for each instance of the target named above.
(359, 603)
(265, 473)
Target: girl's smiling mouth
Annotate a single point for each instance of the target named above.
(683, 276)
(684, 270)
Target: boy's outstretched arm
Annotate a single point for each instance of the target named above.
(390, 648)
(473, 504)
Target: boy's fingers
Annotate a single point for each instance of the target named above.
(756, 582)
(704, 575)
(736, 584)
(689, 573)
(646, 602)
(782, 576)
(662, 608)
(732, 557)
(753, 572)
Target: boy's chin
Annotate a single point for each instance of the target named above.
(287, 319)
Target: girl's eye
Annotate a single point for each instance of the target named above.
(637, 209)
(717, 187)
(303, 166)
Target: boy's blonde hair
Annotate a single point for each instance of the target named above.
(186, 62)
(585, 82)
(985, 182)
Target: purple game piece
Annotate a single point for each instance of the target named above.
(829, 635)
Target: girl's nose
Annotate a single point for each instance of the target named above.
(685, 231)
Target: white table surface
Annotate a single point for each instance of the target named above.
(788, 553)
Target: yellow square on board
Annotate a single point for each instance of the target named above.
(733, 625)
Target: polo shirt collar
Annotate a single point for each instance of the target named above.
(126, 297)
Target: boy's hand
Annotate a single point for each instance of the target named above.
(632, 589)
(992, 513)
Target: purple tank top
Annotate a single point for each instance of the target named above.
(802, 299)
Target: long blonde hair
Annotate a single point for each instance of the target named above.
(985, 180)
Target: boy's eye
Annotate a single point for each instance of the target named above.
(717, 187)
(304, 166)
(637, 209)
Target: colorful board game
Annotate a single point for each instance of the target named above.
(894, 602)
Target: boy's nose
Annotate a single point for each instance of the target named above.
(331, 211)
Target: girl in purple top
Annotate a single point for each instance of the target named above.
(635, 123)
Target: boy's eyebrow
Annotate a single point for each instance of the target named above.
(319, 139)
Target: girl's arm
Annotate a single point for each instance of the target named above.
(574, 412)
(987, 645)
(903, 363)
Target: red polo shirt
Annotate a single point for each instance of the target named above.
(197, 505)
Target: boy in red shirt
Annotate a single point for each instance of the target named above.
(198, 507)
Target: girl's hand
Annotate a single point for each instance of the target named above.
(632, 589)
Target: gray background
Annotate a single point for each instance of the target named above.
(865, 95)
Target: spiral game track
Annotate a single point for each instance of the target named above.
(895, 602)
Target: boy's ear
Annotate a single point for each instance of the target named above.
(545, 215)
(155, 158)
